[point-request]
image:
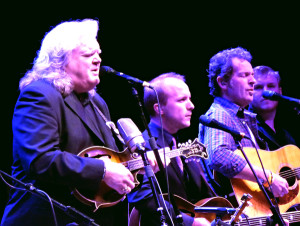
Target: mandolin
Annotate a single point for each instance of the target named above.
(106, 196)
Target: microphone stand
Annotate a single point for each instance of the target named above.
(219, 211)
(72, 212)
(148, 169)
(276, 214)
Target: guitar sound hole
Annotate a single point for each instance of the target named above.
(289, 174)
(96, 156)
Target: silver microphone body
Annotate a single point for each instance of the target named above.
(132, 136)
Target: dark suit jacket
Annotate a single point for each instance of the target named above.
(193, 189)
(274, 140)
(48, 133)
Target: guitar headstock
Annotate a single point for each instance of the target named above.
(244, 203)
(195, 149)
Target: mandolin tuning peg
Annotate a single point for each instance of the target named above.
(189, 141)
(135, 155)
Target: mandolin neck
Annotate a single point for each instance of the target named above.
(188, 149)
(138, 163)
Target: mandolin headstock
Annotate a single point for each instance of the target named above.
(193, 149)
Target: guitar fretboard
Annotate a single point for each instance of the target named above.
(189, 149)
(138, 163)
(292, 217)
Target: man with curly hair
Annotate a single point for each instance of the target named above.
(231, 82)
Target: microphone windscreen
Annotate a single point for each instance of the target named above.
(130, 133)
(106, 69)
(205, 120)
(268, 94)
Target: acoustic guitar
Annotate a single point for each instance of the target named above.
(285, 162)
(189, 208)
(106, 196)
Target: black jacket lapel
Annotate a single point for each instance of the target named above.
(76, 106)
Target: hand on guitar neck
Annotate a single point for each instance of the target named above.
(153, 162)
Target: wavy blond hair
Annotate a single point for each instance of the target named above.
(54, 53)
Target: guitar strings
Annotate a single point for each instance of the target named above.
(290, 173)
(292, 217)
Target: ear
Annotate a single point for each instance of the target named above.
(156, 109)
(221, 82)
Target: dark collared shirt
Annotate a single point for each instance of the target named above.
(274, 139)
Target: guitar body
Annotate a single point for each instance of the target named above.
(188, 207)
(106, 196)
(285, 162)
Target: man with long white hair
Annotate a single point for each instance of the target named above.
(56, 117)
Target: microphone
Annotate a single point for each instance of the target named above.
(215, 124)
(132, 136)
(109, 70)
(271, 95)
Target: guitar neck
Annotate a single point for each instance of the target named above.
(292, 217)
(138, 163)
(188, 149)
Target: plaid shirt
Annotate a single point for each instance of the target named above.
(221, 145)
